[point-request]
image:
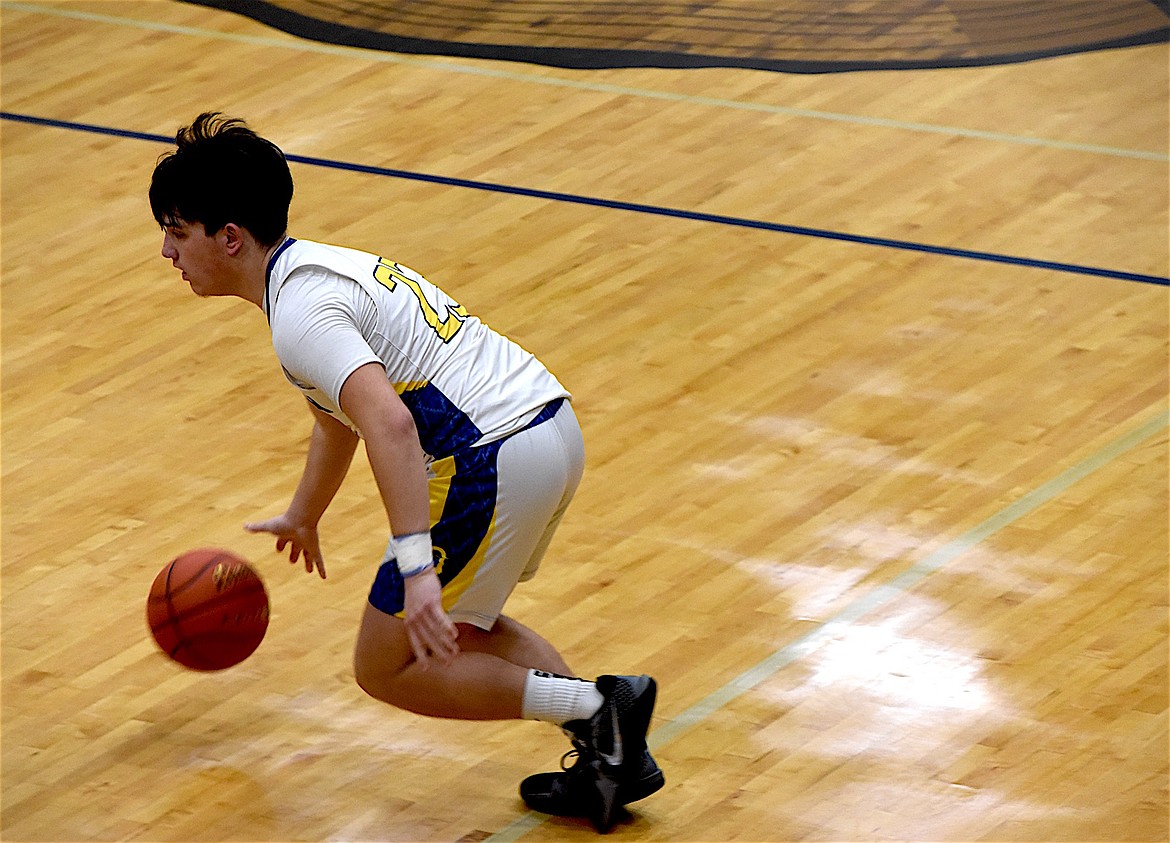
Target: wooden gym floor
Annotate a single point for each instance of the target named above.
(889, 525)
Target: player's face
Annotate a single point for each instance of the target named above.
(198, 255)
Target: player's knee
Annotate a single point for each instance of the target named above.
(375, 678)
(363, 673)
(377, 666)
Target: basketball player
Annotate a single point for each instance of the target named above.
(473, 444)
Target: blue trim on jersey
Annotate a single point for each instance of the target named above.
(268, 274)
(319, 407)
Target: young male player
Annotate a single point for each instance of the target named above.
(473, 444)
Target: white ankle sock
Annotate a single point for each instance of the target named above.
(558, 699)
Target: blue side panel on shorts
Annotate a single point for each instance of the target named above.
(387, 593)
(461, 529)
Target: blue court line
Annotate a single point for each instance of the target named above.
(873, 600)
(635, 207)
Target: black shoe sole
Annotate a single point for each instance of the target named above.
(546, 792)
(642, 788)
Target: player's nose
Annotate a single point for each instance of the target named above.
(168, 249)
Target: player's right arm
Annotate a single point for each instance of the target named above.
(331, 450)
(397, 461)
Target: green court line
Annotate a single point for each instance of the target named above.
(451, 66)
(871, 601)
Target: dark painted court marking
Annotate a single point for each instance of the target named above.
(634, 207)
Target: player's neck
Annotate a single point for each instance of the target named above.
(255, 275)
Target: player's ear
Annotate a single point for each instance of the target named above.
(232, 237)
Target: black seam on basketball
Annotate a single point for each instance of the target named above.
(209, 565)
(174, 618)
(171, 606)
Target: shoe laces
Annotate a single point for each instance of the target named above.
(584, 759)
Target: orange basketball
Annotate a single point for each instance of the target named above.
(208, 609)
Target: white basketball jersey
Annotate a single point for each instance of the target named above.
(333, 310)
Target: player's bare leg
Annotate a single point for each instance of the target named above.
(512, 672)
(476, 685)
(514, 642)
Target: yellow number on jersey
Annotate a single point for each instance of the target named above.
(390, 274)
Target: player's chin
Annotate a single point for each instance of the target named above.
(200, 290)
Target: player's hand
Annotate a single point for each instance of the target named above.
(301, 540)
(431, 632)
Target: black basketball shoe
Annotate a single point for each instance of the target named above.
(571, 793)
(613, 766)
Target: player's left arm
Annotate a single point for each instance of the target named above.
(331, 450)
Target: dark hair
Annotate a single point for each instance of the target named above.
(223, 172)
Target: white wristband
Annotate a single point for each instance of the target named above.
(413, 553)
